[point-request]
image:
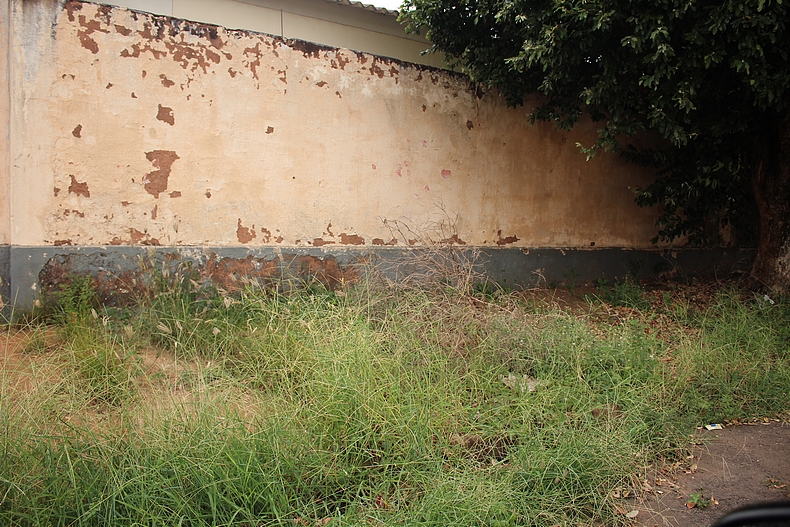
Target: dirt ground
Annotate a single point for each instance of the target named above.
(734, 467)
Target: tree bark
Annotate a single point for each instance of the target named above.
(771, 186)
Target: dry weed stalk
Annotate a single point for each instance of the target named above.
(438, 257)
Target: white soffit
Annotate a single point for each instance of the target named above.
(361, 5)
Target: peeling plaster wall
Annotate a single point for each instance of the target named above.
(330, 23)
(136, 129)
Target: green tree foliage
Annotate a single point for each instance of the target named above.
(711, 78)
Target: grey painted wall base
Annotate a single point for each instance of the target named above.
(5, 275)
(26, 271)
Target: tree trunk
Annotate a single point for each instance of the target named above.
(771, 186)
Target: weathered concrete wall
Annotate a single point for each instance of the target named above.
(129, 129)
(137, 129)
(5, 147)
(5, 114)
(331, 23)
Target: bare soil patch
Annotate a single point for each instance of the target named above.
(734, 467)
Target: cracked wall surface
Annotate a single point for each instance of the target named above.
(135, 129)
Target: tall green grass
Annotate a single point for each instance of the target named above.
(371, 405)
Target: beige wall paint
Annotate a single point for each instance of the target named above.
(134, 129)
(5, 116)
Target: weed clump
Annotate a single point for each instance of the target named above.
(626, 293)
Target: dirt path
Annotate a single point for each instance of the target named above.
(736, 466)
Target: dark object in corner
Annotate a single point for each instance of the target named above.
(763, 515)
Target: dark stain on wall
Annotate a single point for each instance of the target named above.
(118, 283)
(154, 30)
(266, 234)
(253, 64)
(308, 49)
(87, 42)
(90, 26)
(141, 238)
(165, 81)
(351, 239)
(105, 14)
(245, 234)
(80, 189)
(376, 70)
(113, 287)
(233, 274)
(320, 242)
(452, 240)
(326, 270)
(379, 241)
(137, 50)
(165, 114)
(339, 62)
(156, 182)
(77, 132)
(71, 8)
(504, 241)
(192, 56)
(213, 37)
